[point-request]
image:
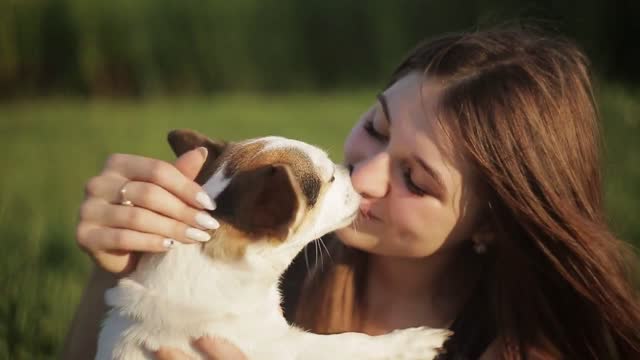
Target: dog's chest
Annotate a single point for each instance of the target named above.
(187, 277)
(182, 295)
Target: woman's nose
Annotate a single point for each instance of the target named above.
(370, 177)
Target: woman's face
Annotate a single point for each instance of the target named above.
(416, 199)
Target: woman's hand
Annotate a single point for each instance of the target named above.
(211, 348)
(167, 207)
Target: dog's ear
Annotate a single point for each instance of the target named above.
(183, 140)
(261, 202)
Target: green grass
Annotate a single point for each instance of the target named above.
(51, 147)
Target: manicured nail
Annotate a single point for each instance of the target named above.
(203, 199)
(206, 221)
(169, 243)
(203, 151)
(198, 235)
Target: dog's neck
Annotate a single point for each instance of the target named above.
(188, 278)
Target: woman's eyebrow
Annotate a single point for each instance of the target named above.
(385, 107)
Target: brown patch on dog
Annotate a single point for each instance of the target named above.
(226, 243)
(303, 169)
(268, 188)
(261, 202)
(242, 157)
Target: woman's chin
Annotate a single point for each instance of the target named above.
(357, 238)
(373, 243)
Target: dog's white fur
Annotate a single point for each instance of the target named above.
(178, 296)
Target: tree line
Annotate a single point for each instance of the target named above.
(142, 47)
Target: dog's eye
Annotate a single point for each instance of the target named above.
(333, 178)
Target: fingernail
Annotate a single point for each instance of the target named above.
(168, 243)
(203, 199)
(205, 220)
(198, 235)
(203, 151)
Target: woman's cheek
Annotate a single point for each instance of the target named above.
(424, 228)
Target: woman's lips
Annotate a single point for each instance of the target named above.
(367, 214)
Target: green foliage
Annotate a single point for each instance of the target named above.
(50, 148)
(151, 47)
(620, 108)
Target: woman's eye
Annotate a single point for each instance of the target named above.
(406, 174)
(371, 130)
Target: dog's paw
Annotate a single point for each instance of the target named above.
(420, 343)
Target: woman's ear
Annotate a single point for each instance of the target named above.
(183, 140)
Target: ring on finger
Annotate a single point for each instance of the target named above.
(123, 195)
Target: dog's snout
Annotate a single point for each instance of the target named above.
(352, 196)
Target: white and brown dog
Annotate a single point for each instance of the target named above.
(274, 196)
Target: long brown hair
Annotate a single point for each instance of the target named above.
(519, 106)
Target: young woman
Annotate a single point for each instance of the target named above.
(482, 212)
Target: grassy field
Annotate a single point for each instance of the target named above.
(51, 147)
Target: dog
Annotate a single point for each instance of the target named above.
(274, 196)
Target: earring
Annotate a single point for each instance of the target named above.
(481, 241)
(479, 247)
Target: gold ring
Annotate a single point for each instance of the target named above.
(123, 195)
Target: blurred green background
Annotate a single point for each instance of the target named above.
(82, 79)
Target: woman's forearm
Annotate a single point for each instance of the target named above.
(82, 336)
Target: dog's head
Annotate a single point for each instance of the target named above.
(271, 193)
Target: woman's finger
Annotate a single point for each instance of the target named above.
(119, 263)
(163, 174)
(141, 220)
(165, 353)
(190, 163)
(121, 240)
(159, 200)
(218, 349)
(106, 186)
(149, 196)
